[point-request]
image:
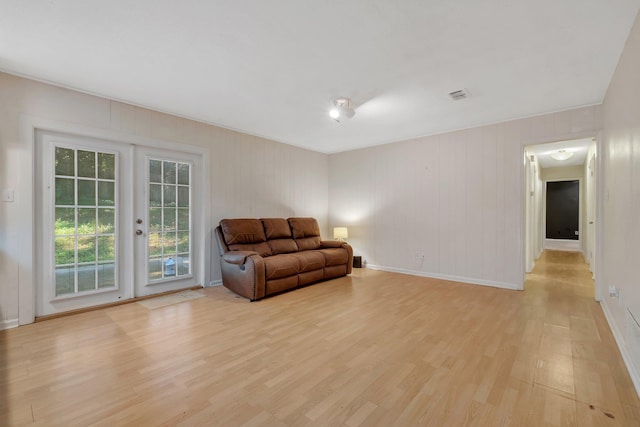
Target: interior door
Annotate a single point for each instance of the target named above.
(166, 210)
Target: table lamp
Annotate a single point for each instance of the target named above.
(340, 233)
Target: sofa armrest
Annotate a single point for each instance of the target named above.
(243, 272)
(330, 244)
(326, 244)
(237, 257)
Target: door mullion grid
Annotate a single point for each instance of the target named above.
(75, 225)
(76, 236)
(162, 216)
(95, 218)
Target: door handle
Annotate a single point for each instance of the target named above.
(139, 232)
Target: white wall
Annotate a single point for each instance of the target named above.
(562, 173)
(249, 176)
(621, 169)
(456, 197)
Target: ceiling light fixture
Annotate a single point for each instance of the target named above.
(561, 155)
(343, 108)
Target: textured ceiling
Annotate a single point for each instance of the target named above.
(273, 68)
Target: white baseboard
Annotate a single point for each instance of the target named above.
(562, 245)
(8, 324)
(617, 335)
(468, 280)
(214, 283)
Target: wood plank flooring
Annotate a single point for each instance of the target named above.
(372, 349)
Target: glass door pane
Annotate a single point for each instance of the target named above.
(85, 226)
(169, 216)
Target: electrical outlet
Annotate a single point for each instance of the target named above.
(613, 292)
(420, 255)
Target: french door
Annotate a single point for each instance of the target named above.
(166, 218)
(114, 221)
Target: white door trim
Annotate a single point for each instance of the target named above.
(600, 198)
(599, 216)
(28, 125)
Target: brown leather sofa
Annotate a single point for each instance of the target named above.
(262, 257)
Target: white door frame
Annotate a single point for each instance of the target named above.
(26, 246)
(599, 286)
(599, 189)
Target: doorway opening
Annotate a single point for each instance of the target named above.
(560, 199)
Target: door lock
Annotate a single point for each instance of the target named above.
(139, 221)
(139, 232)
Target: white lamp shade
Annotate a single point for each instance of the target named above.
(340, 233)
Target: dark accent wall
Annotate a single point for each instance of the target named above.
(563, 210)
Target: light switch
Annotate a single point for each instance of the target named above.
(7, 194)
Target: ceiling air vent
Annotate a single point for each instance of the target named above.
(457, 95)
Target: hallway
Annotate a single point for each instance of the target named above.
(580, 365)
(561, 272)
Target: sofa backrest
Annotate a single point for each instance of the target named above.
(270, 236)
(245, 234)
(306, 233)
(279, 236)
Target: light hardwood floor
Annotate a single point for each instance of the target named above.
(373, 349)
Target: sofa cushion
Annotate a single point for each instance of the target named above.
(276, 228)
(310, 260)
(336, 256)
(279, 266)
(282, 246)
(305, 232)
(245, 234)
(278, 235)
